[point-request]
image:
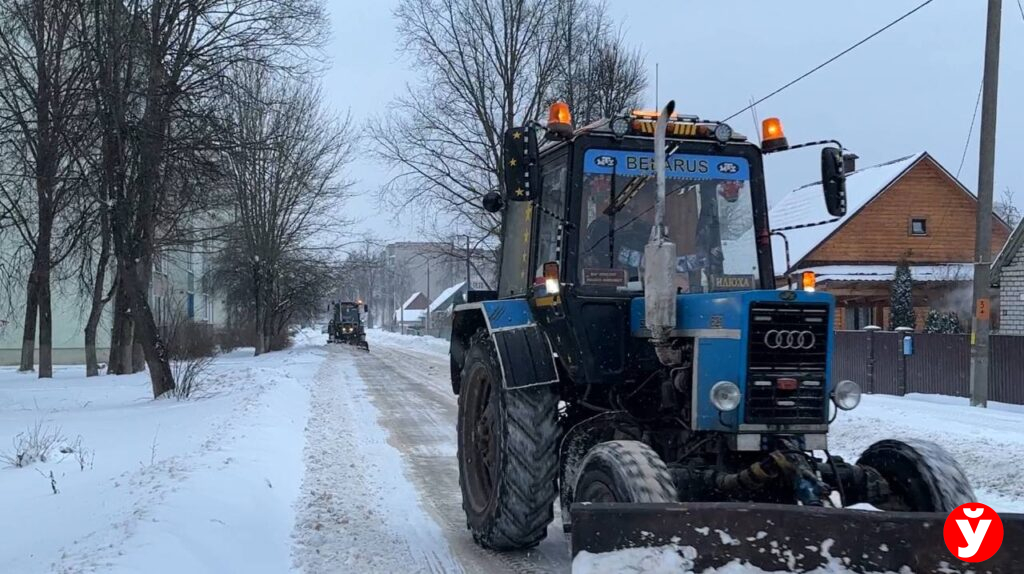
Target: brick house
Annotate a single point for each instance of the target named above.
(909, 209)
(1007, 275)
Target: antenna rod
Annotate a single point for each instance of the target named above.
(656, 78)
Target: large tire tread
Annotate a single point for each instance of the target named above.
(526, 482)
(944, 479)
(635, 468)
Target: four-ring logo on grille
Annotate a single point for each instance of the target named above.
(776, 339)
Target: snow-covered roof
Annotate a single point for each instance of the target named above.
(944, 272)
(1007, 253)
(806, 205)
(411, 299)
(409, 315)
(445, 296)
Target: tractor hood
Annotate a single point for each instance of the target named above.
(775, 346)
(701, 314)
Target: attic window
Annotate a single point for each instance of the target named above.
(918, 226)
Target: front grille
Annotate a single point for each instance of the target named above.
(787, 341)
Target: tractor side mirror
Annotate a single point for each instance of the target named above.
(833, 181)
(493, 202)
(518, 158)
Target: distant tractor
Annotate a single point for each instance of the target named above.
(346, 326)
(638, 363)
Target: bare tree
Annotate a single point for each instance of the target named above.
(1006, 209)
(43, 101)
(284, 169)
(599, 75)
(487, 65)
(184, 51)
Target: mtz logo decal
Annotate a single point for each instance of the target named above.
(728, 167)
(604, 161)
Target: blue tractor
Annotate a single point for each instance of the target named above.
(638, 363)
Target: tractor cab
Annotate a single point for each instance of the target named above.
(579, 211)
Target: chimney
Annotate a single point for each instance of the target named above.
(850, 162)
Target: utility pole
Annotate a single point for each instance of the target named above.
(981, 323)
(468, 281)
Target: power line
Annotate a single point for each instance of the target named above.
(1021, 8)
(834, 58)
(971, 130)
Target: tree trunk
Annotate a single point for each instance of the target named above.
(116, 327)
(28, 338)
(259, 326)
(44, 299)
(92, 367)
(145, 268)
(45, 328)
(121, 338)
(152, 344)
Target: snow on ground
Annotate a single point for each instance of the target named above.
(675, 560)
(198, 486)
(358, 512)
(424, 344)
(324, 458)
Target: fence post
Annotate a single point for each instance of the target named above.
(871, 330)
(901, 366)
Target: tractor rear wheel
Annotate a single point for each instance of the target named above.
(624, 471)
(508, 453)
(922, 476)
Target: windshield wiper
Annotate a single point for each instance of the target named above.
(631, 189)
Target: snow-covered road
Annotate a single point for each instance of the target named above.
(324, 459)
(399, 393)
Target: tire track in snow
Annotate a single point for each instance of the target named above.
(356, 512)
(412, 390)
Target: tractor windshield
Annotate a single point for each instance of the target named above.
(350, 314)
(708, 214)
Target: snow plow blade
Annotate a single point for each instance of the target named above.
(777, 537)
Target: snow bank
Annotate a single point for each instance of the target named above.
(423, 344)
(676, 559)
(199, 486)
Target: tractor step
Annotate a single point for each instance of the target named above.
(777, 537)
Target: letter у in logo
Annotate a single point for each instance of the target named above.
(973, 532)
(791, 340)
(728, 167)
(604, 161)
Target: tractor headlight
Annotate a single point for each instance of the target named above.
(723, 133)
(725, 395)
(846, 395)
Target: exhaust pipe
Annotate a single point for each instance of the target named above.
(660, 259)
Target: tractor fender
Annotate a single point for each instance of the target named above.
(524, 352)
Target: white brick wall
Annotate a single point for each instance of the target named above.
(1011, 296)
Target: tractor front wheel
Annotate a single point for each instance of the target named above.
(508, 453)
(922, 476)
(624, 471)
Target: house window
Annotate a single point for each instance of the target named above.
(918, 226)
(858, 317)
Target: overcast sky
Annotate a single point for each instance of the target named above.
(912, 88)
